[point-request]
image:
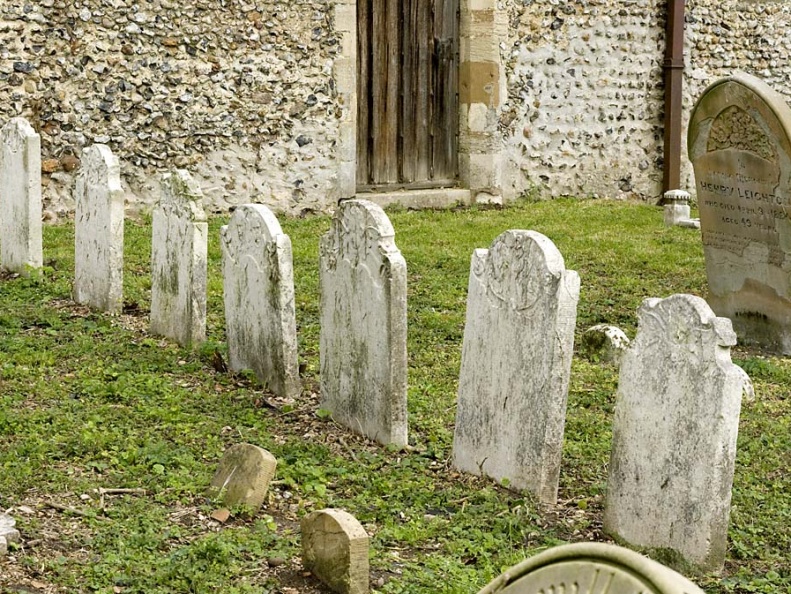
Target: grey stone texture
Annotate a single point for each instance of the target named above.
(258, 285)
(593, 568)
(674, 432)
(99, 232)
(603, 343)
(335, 550)
(243, 476)
(20, 197)
(8, 533)
(516, 360)
(740, 145)
(178, 261)
(363, 323)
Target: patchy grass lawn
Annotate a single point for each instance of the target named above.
(92, 402)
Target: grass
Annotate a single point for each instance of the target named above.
(88, 401)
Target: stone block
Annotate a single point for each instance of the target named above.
(335, 550)
(604, 343)
(516, 361)
(363, 323)
(178, 261)
(258, 286)
(243, 476)
(99, 231)
(674, 432)
(20, 197)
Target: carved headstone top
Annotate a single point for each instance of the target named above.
(740, 146)
(181, 196)
(592, 568)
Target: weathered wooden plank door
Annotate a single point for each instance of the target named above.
(407, 126)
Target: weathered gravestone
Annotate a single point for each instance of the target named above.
(740, 147)
(8, 533)
(590, 568)
(674, 432)
(99, 231)
(243, 476)
(335, 550)
(20, 197)
(363, 323)
(178, 261)
(258, 284)
(516, 360)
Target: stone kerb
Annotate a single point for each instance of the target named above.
(99, 231)
(178, 261)
(335, 550)
(363, 323)
(20, 197)
(739, 143)
(258, 285)
(597, 568)
(516, 361)
(674, 432)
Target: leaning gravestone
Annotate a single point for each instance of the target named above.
(178, 261)
(590, 568)
(258, 285)
(335, 550)
(516, 360)
(20, 197)
(740, 146)
(674, 432)
(99, 231)
(243, 476)
(363, 323)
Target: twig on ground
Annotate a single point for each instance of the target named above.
(72, 510)
(348, 449)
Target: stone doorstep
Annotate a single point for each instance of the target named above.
(432, 198)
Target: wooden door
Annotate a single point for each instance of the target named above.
(407, 126)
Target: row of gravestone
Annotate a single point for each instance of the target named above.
(679, 394)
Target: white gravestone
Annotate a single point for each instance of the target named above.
(258, 285)
(178, 261)
(99, 231)
(516, 361)
(363, 323)
(20, 197)
(674, 432)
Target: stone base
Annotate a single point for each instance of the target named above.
(759, 319)
(418, 199)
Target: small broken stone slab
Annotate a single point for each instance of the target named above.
(243, 476)
(604, 343)
(335, 550)
(8, 533)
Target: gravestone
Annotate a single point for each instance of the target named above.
(739, 146)
(590, 568)
(99, 231)
(335, 550)
(20, 197)
(516, 360)
(603, 343)
(258, 285)
(363, 323)
(8, 533)
(178, 261)
(674, 432)
(243, 476)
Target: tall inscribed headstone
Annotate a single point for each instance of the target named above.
(99, 231)
(674, 432)
(178, 261)
(363, 323)
(516, 361)
(740, 146)
(20, 197)
(258, 286)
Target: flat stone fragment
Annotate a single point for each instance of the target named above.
(243, 476)
(674, 432)
(20, 197)
(739, 143)
(335, 550)
(178, 261)
(8, 533)
(258, 286)
(592, 568)
(516, 361)
(604, 343)
(99, 231)
(363, 323)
